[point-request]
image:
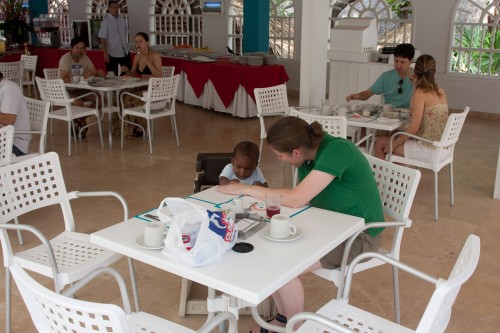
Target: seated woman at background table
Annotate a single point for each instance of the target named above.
(429, 113)
(147, 64)
(333, 175)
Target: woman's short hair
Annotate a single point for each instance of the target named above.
(291, 133)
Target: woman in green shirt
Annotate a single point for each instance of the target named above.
(333, 175)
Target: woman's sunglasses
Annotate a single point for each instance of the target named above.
(400, 89)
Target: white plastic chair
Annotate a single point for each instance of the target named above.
(13, 71)
(339, 316)
(397, 186)
(167, 71)
(6, 142)
(39, 114)
(51, 73)
(444, 153)
(273, 101)
(159, 101)
(37, 183)
(53, 312)
(53, 91)
(29, 64)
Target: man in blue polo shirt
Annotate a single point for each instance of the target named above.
(394, 84)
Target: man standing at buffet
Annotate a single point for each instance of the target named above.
(394, 84)
(113, 35)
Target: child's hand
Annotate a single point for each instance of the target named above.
(234, 181)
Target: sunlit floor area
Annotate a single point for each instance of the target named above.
(144, 180)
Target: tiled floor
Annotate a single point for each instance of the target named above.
(146, 179)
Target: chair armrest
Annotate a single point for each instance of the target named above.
(214, 322)
(350, 241)
(92, 275)
(393, 262)
(127, 93)
(29, 132)
(85, 95)
(413, 136)
(45, 242)
(317, 318)
(77, 194)
(317, 108)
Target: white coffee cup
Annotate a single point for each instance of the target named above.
(387, 108)
(75, 79)
(342, 111)
(238, 205)
(280, 227)
(111, 74)
(154, 233)
(366, 112)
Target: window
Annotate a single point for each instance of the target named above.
(59, 8)
(394, 17)
(235, 26)
(475, 41)
(176, 22)
(282, 28)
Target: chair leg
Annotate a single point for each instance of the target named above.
(452, 192)
(395, 281)
(7, 300)
(149, 137)
(435, 196)
(70, 126)
(133, 282)
(174, 127)
(100, 130)
(19, 234)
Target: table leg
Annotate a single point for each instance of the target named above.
(110, 116)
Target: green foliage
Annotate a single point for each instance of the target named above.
(402, 8)
(472, 38)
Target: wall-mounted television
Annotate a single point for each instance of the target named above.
(209, 6)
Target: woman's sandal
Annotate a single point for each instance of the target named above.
(279, 318)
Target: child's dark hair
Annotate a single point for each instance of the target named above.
(77, 40)
(247, 148)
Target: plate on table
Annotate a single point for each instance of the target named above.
(140, 241)
(129, 78)
(267, 235)
(391, 114)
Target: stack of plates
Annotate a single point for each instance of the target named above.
(270, 59)
(234, 59)
(255, 61)
(243, 60)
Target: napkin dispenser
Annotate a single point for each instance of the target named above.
(247, 227)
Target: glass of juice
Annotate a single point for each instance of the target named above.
(273, 204)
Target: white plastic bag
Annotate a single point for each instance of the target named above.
(197, 236)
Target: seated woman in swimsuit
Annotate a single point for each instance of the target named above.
(429, 113)
(147, 64)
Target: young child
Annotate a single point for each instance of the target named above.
(243, 167)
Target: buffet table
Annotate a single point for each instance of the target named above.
(223, 86)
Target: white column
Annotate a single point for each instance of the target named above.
(313, 51)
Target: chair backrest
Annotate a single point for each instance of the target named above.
(397, 186)
(161, 92)
(438, 312)
(51, 73)
(52, 312)
(272, 101)
(39, 113)
(167, 71)
(453, 128)
(29, 61)
(208, 168)
(32, 184)
(13, 71)
(53, 91)
(6, 141)
(335, 126)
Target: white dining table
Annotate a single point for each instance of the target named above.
(108, 87)
(246, 277)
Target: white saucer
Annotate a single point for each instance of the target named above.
(265, 233)
(140, 241)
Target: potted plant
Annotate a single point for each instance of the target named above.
(15, 28)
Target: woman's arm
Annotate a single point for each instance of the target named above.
(416, 111)
(133, 70)
(299, 196)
